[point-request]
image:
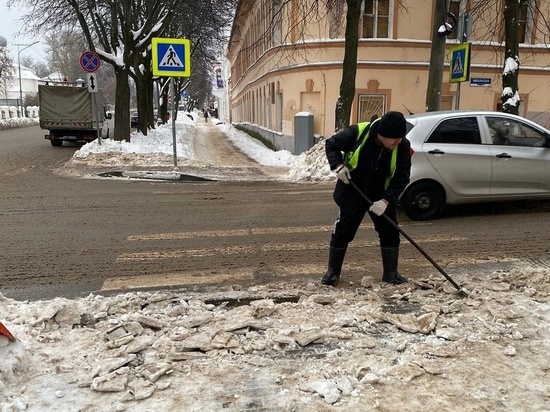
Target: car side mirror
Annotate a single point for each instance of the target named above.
(109, 116)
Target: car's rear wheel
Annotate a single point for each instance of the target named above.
(56, 142)
(423, 201)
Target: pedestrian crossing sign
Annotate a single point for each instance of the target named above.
(171, 57)
(459, 70)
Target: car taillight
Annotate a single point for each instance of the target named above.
(411, 151)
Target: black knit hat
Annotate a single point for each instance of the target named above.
(392, 125)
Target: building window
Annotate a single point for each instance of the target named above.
(376, 18)
(219, 79)
(336, 15)
(370, 105)
(457, 8)
(525, 21)
(277, 23)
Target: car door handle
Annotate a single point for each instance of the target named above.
(504, 156)
(436, 151)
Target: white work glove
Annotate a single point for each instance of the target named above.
(343, 174)
(379, 207)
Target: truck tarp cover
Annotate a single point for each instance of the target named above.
(65, 105)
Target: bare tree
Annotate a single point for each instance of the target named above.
(6, 72)
(349, 66)
(65, 46)
(437, 59)
(497, 16)
(206, 24)
(510, 95)
(119, 31)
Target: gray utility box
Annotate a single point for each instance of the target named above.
(303, 132)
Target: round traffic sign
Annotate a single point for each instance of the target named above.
(90, 61)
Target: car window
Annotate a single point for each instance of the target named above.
(462, 130)
(409, 127)
(511, 132)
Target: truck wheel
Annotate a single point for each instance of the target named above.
(57, 142)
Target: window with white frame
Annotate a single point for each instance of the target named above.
(377, 16)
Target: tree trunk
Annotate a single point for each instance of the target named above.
(144, 103)
(164, 90)
(510, 96)
(349, 67)
(122, 104)
(437, 60)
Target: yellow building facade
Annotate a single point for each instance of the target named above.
(286, 58)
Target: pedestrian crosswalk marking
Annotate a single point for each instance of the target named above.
(171, 58)
(198, 277)
(245, 250)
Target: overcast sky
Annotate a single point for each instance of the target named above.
(9, 28)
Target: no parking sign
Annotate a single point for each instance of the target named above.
(90, 61)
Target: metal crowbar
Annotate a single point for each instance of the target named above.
(461, 291)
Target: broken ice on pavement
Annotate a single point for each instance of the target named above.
(287, 347)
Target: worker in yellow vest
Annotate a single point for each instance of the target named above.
(376, 157)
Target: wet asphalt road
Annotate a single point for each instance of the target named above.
(67, 235)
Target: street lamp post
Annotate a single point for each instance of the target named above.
(19, 64)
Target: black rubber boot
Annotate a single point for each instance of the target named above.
(390, 256)
(335, 260)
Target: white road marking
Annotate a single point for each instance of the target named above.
(243, 232)
(229, 233)
(237, 250)
(196, 277)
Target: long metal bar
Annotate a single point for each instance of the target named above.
(461, 291)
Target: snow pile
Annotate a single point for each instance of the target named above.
(288, 347)
(311, 165)
(17, 122)
(155, 149)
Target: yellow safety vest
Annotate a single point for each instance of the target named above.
(351, 159)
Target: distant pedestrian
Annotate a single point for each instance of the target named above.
(206, 114)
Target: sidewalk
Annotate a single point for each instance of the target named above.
(204, 152)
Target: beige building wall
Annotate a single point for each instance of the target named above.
(289, 60)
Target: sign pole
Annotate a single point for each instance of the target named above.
(464, 32)
(173, 123)
(97, 114)
(171, 58)
(457, 97)
(90, 62)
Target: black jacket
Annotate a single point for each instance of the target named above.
(371, 171)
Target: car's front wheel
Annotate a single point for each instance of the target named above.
(423, 201)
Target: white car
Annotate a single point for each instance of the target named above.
(474, 156)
